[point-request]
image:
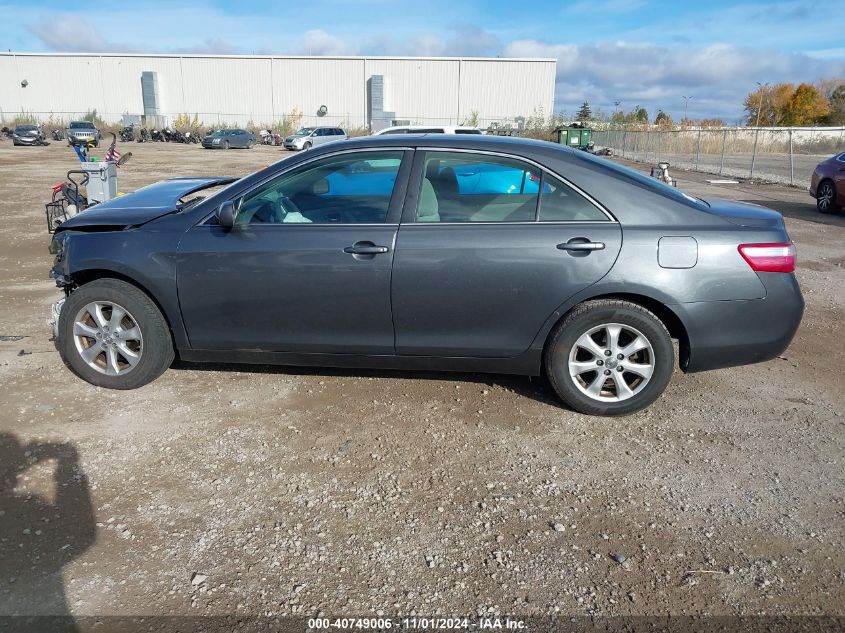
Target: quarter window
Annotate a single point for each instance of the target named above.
(561, 203)
(352, 188)
(468, 187)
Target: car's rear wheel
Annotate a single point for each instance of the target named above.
(609, 357)
(113, 335)
(826, 197)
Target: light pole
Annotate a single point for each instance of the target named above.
(686, 102)
(763, 88)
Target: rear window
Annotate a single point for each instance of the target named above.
(642, 179)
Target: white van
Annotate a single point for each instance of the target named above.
(428, 129)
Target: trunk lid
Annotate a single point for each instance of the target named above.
(745, 213)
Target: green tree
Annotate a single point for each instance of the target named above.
(584, 113)
(837, 107)
(662, 119)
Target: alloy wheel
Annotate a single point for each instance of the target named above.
(825, 199)
(107, 338)
(611, 362)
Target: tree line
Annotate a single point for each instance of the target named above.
(785, 104)
(778, 105)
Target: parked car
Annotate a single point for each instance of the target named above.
(228, 139)
(27, 135)
(384, 252)
(308, 137)
(827, 184)
(83, 133)
(428, 129)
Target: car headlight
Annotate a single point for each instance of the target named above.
(57, 245)
(216, 141)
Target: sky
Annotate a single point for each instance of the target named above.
(636, 52)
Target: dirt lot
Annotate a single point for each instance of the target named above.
(352, 492)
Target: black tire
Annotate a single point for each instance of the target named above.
(306, 145)
(157, 352)
(593, 314)
(826, 197)
(225, 144)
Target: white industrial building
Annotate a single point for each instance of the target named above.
(237, 90)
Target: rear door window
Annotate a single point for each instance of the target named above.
(470, 187)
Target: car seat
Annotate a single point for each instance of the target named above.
(428, 207)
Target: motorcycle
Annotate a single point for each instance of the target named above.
(143, 135)
(157, 135)
(58, 134)
(127, 134)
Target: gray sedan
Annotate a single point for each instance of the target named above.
(228, 139)
(468, 253)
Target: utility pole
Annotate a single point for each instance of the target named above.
(763, 89)
(686, 102)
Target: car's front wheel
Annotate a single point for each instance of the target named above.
(609, 357)
(826, 197)
(113, 335)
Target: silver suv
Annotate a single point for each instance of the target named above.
(83, 133)
(310, 136)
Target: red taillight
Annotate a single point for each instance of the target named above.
(769, 258)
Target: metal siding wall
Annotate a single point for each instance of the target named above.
(306, 84)
(501, 90)
(265, 89)
(422, 90)
(234, 91)
(122, 84)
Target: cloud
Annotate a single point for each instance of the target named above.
(718, 76)
(319, 42)
(72, 33)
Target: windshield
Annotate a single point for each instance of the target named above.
(75, 125)
(25, 128)
(219, 133)
(304, 131)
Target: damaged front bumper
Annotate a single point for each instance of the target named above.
(53, 319)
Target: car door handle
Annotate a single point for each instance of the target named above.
(581, 246)
(365, 248)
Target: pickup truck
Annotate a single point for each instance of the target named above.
(83, 133)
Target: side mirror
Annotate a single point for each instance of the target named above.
(226, 214)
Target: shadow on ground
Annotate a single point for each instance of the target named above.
(40, 532)
(535, 387)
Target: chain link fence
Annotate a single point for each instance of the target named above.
(782, 155)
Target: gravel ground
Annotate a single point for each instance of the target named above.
(256, 490)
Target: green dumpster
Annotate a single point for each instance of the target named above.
(573, 136)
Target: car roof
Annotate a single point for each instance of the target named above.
(447, 128)
(505, 144)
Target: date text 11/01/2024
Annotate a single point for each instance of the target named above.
(416, 622)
